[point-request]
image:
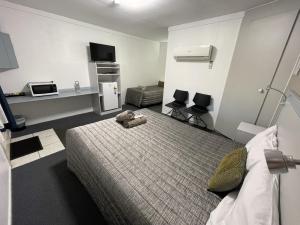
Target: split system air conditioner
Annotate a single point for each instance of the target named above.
(194, 53)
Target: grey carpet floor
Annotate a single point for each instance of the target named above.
(45, 192)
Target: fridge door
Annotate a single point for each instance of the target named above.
(110, 95)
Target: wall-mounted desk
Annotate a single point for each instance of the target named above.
(45, 108)
(63, 93)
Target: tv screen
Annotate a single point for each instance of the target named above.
(102, 52)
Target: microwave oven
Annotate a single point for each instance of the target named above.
(42, 88)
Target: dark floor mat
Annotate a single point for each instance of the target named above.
(25, 147)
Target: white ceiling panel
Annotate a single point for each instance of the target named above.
(144, 18)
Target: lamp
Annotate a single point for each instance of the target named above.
(279, 163)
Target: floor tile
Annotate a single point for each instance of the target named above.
(24, 159)
(45, 133)
(50, 142)
(21, 138)
(50, 149)
(47, 140)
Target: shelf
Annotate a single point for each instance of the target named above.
(108, 74)
(101, 94)
(106, 63)
(103, 72)
(63, 93)
(108, 67)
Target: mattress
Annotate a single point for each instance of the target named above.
(155, 173)
(144, 96)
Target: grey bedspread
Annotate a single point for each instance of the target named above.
(144, 96)
(155, 173)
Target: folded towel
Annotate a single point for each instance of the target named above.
(135, 122)
(126, 115)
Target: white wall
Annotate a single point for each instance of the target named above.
(222, 33)
(263, 36)
(52, 47)
(162, 60)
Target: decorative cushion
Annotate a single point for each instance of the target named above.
(143, 88)
(230, 172)
(161, 84)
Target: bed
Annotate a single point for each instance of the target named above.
(155, 173)
(144, 96)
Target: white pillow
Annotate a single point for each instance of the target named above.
(217, 217)
(271, 131)
(257, 200)
(255, 204)
(256, 146)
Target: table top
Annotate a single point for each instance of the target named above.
(63, 93)
(250, 128)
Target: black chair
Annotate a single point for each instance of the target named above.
(179, 104)
(200, 108)
(15, 122)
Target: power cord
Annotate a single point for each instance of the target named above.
(271, 88)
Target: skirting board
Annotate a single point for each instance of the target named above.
(58, 116)
(110, 111)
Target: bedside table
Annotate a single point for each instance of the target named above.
(246, 131)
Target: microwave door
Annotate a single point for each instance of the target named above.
(43, 89)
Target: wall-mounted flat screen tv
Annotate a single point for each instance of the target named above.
(102, 53)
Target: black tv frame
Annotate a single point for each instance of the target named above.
(95, 55)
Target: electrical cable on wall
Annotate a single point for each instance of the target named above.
(281, 92)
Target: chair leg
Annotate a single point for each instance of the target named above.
(184, 116)
(196, 121)
(177, 114)
(189, 118)
(173, 113)
(170, 112)
(201, 120)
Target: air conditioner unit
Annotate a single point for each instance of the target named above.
(194, 53)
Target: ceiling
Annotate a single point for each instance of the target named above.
(144, 18)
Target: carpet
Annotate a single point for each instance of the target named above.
(45, 192)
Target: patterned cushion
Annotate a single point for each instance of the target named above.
(230, 172)
(161, 84)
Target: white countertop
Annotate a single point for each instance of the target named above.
(63, 93)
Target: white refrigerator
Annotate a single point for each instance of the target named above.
(110, 95)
